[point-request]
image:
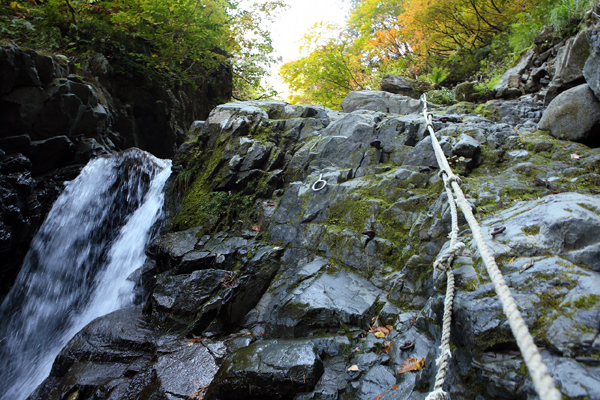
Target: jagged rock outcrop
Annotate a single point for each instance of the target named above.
(54, 117)
(272, 287)
(553, 66)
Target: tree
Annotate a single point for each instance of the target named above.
(375, 24)
(251, 46)
(332, 68)
(176, 40)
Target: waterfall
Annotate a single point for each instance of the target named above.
(79, 262)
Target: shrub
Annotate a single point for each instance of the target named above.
(443, 96)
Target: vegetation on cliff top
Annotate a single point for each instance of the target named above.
(422, 40)
(173, 40)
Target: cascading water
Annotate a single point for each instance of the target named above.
(78, 265)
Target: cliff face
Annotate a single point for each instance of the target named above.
(54, 117)
(300, 265)
(299, 261)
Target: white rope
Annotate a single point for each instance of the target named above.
(444, 264)
(438, 394)
(542, 381)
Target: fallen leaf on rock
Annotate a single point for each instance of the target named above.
(575, 156)
(195, 339)
(390, 327)
(379, 329)
(379, 335)
(387, 346)
(412, 364)
(379, 396)
(354, 368)
(198, 394)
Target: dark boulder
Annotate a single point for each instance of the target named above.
(111, 356)
(398, 85)
(328, 301)
(574, 115)
(270, 369)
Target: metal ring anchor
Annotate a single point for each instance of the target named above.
(320, 181)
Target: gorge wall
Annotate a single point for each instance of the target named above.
(269, 287)
(55, 116)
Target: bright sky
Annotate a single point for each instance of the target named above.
(292, 24)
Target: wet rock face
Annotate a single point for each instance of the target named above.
(322, 286)
(270, 369)
(53, 121)
(24, 203)
(208, 291)
(44, 97)
(116, 348)
(328, 301)
(122, 355)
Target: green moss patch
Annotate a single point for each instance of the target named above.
(349, 213)
(531, 230)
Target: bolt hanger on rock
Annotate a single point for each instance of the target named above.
(319, 184)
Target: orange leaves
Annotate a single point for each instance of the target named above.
(387, 346)
(442, 26)
(194, 340)
(381, 331)
(256, 228)
(379, 396)
(412, 364)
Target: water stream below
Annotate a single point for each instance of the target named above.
(79, 262)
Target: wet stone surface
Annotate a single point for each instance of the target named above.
(304, 294)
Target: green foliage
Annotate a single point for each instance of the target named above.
(565, 15)
(331, 70)
(173, 40)
(522, 35)
(252, 49)
(176, 29)
(437, 75)
(485, 90)
(443, 96)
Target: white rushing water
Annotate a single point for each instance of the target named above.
(79, 262)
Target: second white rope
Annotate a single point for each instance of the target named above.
(542, 381)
